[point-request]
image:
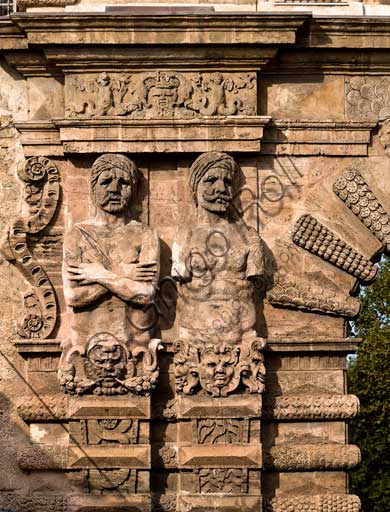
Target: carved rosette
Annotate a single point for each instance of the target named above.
(111, 367)
(218, 370)
(316, 503)
(352, 188)
(42, 190)
(313, 236)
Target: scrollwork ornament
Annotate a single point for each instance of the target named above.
(41, 195)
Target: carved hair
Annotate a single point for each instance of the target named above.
(204, 162)
(112, 161)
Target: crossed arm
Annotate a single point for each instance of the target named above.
(85, 283)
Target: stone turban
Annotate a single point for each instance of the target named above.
(204, 162)
(114, 161)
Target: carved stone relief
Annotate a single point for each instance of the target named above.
(221, 430)
(311, 407)
(313, 456)
(318, 503)
(290, 292)
(367, 98)
(222, 480)
(313, 236)
(110, 273)
(161, 94)
(41, 194)
(215, 263)
(352, 188)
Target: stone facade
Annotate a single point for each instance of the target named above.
(190, 200)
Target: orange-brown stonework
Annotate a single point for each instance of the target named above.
(190, 201)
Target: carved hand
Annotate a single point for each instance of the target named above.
(87, 273)
(140, 271)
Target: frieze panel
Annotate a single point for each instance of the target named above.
(41, 194)
(352, 188)
(161, 94)
(313, 236)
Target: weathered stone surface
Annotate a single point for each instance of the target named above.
(234, 126)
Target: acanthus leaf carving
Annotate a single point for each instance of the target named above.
(314, 237)
(353, 190)
(161, 94)
(41, 195)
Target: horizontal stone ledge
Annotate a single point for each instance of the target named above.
(309, 457)
(316, 503)
(108, 29)
(45, 457)
(220, 456)
(234, 406)
(106, 503)
(307, 407)
(98, 407)
(109, 456)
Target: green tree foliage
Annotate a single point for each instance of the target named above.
(369, 379)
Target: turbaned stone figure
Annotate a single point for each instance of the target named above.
(216, 262)
(110, 274)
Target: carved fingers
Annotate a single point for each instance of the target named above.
(141, 271)
(87, 273)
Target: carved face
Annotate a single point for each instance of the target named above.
(107, 359)
(113, 190)
(215, 189)
(218, 369)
